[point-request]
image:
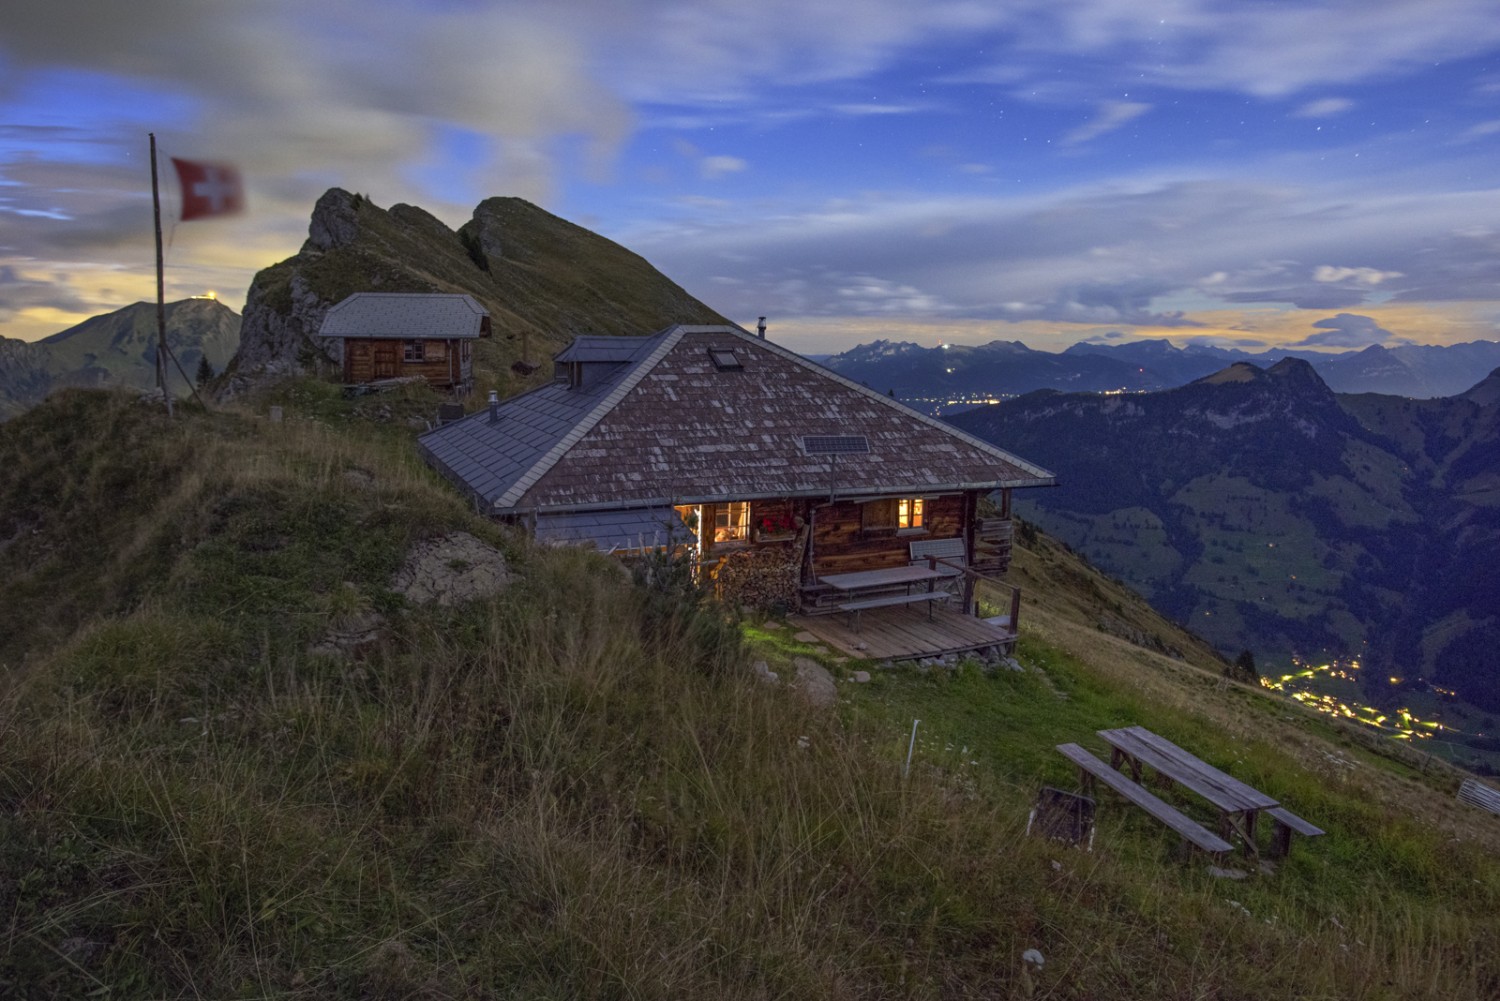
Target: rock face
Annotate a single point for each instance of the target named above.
(450, 570)
(542, 278)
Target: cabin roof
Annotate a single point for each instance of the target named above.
(405, 315)
(700, 414)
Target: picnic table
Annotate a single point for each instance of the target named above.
(1239, 805)
(864, 589)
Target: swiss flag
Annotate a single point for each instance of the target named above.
(209, 189)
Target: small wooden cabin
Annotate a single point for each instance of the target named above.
(710, 440)
(392, 335)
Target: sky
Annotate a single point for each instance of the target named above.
(1318, 173)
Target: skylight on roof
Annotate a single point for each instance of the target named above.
(835, 444)
(725, 360)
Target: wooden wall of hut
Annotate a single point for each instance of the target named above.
(843, 544)
(385, 358)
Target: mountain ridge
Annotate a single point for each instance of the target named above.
(960, 373)
(1274, 514)
(116, 349)
(542, 278)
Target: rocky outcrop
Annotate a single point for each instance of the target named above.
(451, 570)
(542, 278)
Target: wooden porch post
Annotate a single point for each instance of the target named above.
(970, 515)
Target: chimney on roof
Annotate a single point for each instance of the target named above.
(760, 328)
(494, 406)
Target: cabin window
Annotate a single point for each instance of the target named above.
(725, 360)
(732, 521)
(909, 512)
(414, 351)
(900, 513)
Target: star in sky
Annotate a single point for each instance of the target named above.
(1310, 171)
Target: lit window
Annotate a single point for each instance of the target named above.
(732, 521)
(898, 513)
(415, 351)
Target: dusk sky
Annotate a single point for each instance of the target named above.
(1315, 172)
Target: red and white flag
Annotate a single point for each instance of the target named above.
(209, 189)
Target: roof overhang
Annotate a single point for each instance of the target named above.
(854, 495)
(616, 531)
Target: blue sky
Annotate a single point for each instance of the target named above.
(1316, 173)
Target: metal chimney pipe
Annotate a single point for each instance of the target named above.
(494, 406)
(760, 328)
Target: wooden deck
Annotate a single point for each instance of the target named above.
(904, 633)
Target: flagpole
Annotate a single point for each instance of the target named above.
(161, 297)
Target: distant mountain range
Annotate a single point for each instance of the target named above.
(1267, 512)
(947, 379)
(116, 349)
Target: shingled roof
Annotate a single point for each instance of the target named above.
(406, 315)
(675, 421)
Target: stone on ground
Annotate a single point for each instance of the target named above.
(450, 570)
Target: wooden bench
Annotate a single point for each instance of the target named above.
(889, 601)
(951, 550)
(1091, 768)
(1286, 823)
(1478, 794)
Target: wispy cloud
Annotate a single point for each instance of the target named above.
(1112, 115)
(1325, 107)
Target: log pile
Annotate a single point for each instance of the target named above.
(765, 578)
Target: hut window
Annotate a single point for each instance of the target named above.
(894, 512)
(415, 351)
(732, 521)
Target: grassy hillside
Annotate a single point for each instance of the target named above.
(576, 788)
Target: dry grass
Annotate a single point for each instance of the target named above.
(575, 789)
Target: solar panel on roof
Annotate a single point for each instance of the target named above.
(835, 444)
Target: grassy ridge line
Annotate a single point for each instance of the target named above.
(575, 789)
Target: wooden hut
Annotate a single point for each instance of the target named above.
(393, 335)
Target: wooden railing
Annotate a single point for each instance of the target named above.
(971, 579)
(992, 544)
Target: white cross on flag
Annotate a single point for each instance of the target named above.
(209, 189)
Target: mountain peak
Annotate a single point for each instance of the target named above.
(1298, 373)
(542, 278)
(1240, 371)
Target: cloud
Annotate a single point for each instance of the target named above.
(1480, 130)
(717, 166)
(1324, 107)
(1302, 296)
(1112, 115)
(1346, 330)
(1094, 254)
(1359, 276)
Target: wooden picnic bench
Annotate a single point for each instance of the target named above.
(1239, 804)
(1091, 768)
(877, 589)
(1288, 822)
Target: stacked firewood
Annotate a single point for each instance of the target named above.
(764, 578)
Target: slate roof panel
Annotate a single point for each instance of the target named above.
(406, 315)
(669, 426)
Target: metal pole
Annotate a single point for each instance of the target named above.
(906, 770)
(161, 298)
